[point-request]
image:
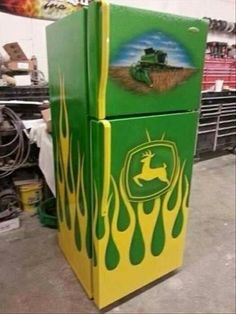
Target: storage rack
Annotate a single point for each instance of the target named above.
(29, 93)
(217, 125)
(31, 103)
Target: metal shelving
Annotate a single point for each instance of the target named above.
(27, 93)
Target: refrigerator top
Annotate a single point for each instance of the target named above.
(143, 62)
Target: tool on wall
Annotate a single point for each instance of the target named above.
(221, 25)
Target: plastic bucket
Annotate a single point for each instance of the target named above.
(47, 213)
(30, 195)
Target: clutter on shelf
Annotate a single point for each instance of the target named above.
(17, 70)
(22, 183)
(217, 49)
(220, 67)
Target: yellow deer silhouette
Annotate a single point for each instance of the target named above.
(148, 173)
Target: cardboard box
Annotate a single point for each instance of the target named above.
(47, 118)
(23, 66)
(15, 52)
(22, 80)
(18, 60)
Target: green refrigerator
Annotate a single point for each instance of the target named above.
(124, 91)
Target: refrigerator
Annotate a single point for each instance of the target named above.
(124, 93)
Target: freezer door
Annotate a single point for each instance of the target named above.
(68, 98)
(141, 170)
(143, 61)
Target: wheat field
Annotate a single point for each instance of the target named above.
(163, 80)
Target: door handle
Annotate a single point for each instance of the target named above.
(193, 29)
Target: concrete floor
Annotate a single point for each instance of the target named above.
(35, 278)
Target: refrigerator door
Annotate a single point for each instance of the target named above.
(143, 61)
(68, 97)
(141, 172)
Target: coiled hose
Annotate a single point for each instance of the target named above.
(21, 148)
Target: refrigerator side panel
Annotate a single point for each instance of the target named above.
(141, 172)
(66, 43)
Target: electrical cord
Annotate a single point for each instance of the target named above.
(21, 147)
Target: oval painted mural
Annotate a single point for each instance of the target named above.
(151, 62)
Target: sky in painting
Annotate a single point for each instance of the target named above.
(131, 52)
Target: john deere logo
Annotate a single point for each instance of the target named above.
(149, 169)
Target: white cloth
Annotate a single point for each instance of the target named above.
(40, 136)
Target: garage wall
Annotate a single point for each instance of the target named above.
(30, 33)
(219, 9)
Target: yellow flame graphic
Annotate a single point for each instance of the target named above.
(72, 204)
(71, 197)
(151, 266)
(147, 221)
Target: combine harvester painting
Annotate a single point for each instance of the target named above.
(154, 68)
